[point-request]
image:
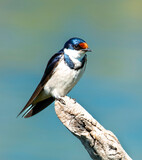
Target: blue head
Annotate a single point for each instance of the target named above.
(77, 44)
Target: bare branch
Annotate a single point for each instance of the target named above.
(100, 143)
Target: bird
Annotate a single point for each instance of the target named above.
(63, 71)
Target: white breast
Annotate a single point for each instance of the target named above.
(63, 80)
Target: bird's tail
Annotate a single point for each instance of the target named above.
(34, 109)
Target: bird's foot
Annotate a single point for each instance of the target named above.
(74, 100)
(61, 101)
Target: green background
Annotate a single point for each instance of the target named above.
(31, 31)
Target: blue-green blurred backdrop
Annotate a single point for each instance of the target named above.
(31, 31)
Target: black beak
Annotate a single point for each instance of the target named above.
(87, 50)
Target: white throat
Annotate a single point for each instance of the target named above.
(74, 54)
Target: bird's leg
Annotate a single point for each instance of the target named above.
(60, 100)
(74, 100)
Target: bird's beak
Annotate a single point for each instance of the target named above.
(87, 50)
(84, 47)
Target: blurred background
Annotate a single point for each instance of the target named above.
(31, 31)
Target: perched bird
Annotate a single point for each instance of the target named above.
(63, 71)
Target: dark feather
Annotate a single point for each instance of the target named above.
(70, 63)
(84, 59)
(39, 107)
(53, 62)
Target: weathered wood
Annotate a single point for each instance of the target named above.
(100, 143)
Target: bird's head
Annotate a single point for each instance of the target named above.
(76, 47)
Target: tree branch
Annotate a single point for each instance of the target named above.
(100, 143)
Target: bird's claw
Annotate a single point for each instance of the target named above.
(61, 101)
(74, 100)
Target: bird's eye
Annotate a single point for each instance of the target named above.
(77, 47)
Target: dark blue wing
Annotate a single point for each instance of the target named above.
(53, 62)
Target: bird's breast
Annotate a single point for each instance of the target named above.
(63, 79)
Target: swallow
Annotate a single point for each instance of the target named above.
(62, 72)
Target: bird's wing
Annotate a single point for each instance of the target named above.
(38, 107)
(50, 68)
